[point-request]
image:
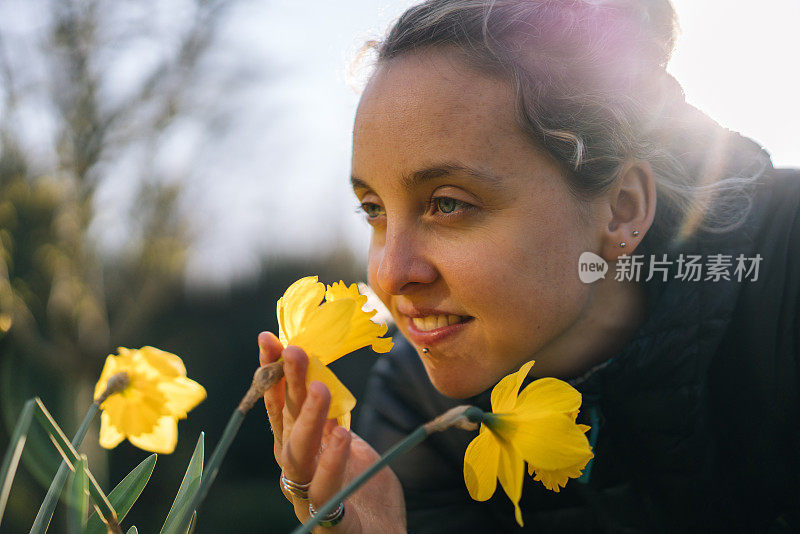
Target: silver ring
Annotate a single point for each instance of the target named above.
(332, 518)
(295, 488)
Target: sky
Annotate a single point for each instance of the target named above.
(281, 187)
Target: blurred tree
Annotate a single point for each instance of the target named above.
(89, 90)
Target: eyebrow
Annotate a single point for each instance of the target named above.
(436, 171)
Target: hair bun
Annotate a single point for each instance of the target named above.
(661, 23)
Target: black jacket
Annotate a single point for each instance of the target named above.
(698, 420)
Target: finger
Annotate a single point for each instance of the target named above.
(295, 367)
(330, 424)
(329, 475)
(302, 445)
(269, 350)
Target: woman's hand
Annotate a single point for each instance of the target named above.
(311, 448)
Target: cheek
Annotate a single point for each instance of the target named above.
(523, 287)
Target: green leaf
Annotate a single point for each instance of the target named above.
(125, 494)
(210, 472)
(48, 506)
(14, 452)
(133, 530)
(188, 488)
(78, 498)
(193, 524)
(70, 455)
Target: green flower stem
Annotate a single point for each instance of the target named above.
(476, 415)
(210, 472)
(45, 513)
(264, 378)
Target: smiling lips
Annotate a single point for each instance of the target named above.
(430, 329)
(432, 322)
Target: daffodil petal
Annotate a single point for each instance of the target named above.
(162, 439)
(110, 437)
(481, 463)
(511, 471)
(504, 394)
(341, 291)
(182, 394)
(110, 368)
(382, 344)
(166, 363)
(344, 420)
(557, 479)
(284, 339)
(326, 329)
(296, 304)
(549, 395)
(362, 333)
(136, 411)
(551, 442)
(342, 401)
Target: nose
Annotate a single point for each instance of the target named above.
(404, 262)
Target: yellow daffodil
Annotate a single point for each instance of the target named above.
(538, 427)
(157, 394)
(327, 331)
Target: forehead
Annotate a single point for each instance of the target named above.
(429, 107)
(434, 88)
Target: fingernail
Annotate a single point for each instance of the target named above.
(262, 340)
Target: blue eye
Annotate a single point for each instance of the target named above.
(371, 209)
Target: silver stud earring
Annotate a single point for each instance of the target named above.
(425, 350)
(635, 233)
(622, 244)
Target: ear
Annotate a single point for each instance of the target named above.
(631, 208)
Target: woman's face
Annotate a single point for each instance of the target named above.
(476, 238)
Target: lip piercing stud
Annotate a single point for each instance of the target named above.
(425, 350)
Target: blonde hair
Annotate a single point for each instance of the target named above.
(592, 89)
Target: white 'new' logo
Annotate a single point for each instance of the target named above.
(591, 267)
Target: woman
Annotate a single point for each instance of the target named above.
(496, 143)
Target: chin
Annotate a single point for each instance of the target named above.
(453, 385)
